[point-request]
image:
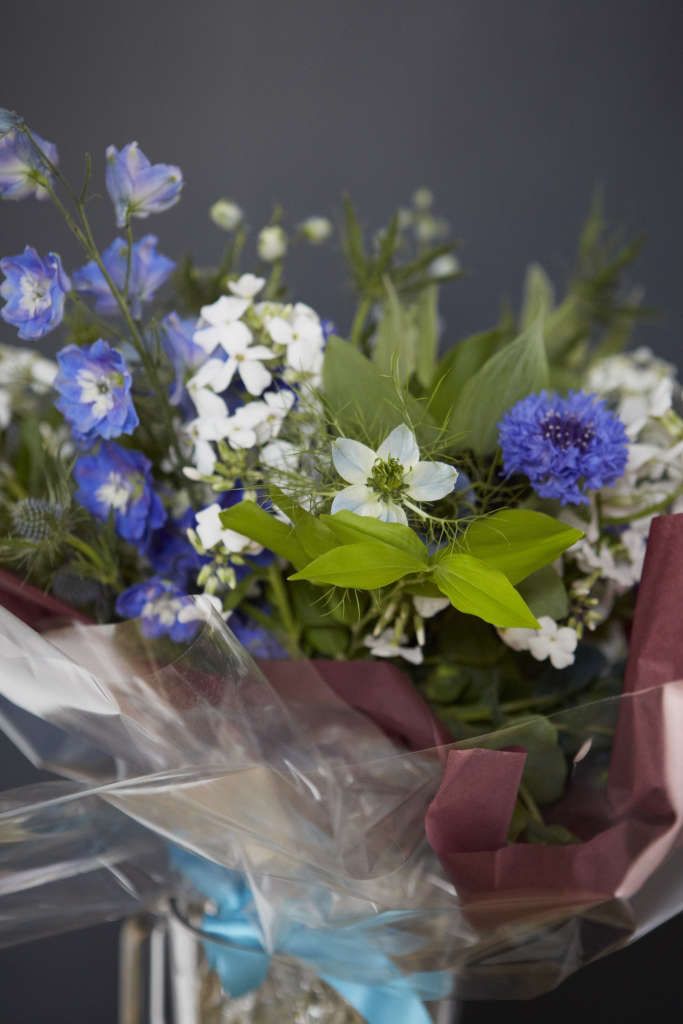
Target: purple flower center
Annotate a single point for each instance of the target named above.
(566, 432)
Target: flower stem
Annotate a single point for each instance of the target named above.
(359, 321)
(281, 601)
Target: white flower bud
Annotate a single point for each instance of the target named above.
(316, 229)
(226, 214)
(422, 198)
(444, 265)
(272, 243)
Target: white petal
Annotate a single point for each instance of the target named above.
(208, 405)
(211, 428)
(241, 437)
(352, 460)
(560, 658)
(358, 499)
(392, 513)
(427, 607)
(247, 286)
(225, 310)
(209, 526)
(214, 374)
(207, 338)
(279, 330)
(258, 352)
(282, 455)
(430, 480)
(204, 458)
(235, 338)
(280, 402)
(401, 445)
(255, 376)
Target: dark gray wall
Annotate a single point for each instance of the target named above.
(511, 110)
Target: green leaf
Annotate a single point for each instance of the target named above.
(353, 243)
(349, 527)
(364, 401)
(252, 521)
(508, 376)
(396, 338)
(478, 589)
(539, 296)
(366, 565)
(519, 541)
(328, 640)
(457, 366)
(545, 593)
(313, 536)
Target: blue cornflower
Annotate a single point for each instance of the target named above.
(567, 447)
(183, 352)
(22, 170)
(138, 188)
(119, 479)
(95, 387)
(158, 602)
(35, 290)
(148, 271)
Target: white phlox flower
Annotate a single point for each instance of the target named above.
(205, 387)
(220, 321)
(558, 643)
(386, 646)
(282, 456)
(383, 480)
(303, 338)
(247, 286)
(199, 433)
(211, 532)
(641, 385)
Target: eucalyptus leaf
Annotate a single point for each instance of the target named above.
(476, 588)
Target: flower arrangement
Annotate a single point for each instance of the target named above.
(478, 517)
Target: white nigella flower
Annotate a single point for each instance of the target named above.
(558, 643)
(211, 531)
(272, 243)
(385, 646)
(383, 481)
(247, 286)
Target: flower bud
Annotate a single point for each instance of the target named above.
(226, 215)
(272, 243)
(316, 229)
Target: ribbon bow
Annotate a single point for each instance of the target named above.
(241, 960)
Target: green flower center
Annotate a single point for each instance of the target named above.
(387, 478)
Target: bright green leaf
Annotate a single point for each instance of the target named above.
(254, 522)
(394, 352)
(313, 536)
(510, 375)
(545, 593)
(519, 541)
(478, 589)
(457, 366)
(363, 566)
(349, 527)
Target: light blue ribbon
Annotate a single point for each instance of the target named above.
(243, 965)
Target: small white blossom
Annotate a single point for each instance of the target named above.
(444, 265)
(641, 385)
(558, 643)
(221, 321)
(272, 243)
(381, 481)
(282, 456)
(226, 214)
(247, 286)
(211, 532)
(316, 229)
(385, 646)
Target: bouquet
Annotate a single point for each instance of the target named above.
(442, 774)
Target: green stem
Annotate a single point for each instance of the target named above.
(359, 321)
(281, 600)
(530, 804)
(90, 554)
(129, 254)
(270, 291)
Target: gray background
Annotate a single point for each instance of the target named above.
(512, 112)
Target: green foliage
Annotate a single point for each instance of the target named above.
(519, 541)
(506, 377)
(474, 587)
(252, 521)
(545, 593)
(365, 565)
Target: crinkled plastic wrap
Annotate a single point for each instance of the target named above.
(306, 784)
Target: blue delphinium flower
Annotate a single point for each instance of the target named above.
(183, 352)
(567, 447)
(9, 119)
(23, 172)
(171, 554)
(260, 642)
(119, 479)
(94, 384)
(148, 271)
(35, 290)
(158, 602)
(138, 188)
